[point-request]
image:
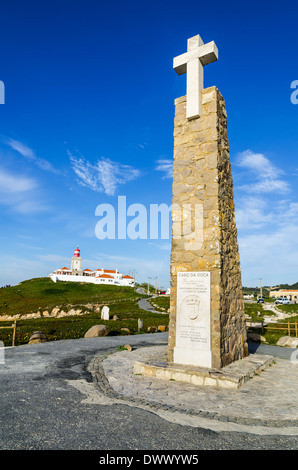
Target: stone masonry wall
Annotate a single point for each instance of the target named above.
(202, 179)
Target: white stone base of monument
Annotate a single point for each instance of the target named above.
(232, 376)
(192, 357)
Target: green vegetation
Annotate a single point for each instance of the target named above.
(253, 311)
(74, 327)
(265, 290)
(256, 291)
(159, 303)
(290, 308)
(289, 286)
(271, 335)
(42, 293)
(145, 287)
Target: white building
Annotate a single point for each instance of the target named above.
(98, 276)
(290, 294)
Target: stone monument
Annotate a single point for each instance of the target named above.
(207, 324)
(207, 333)
(105, 313)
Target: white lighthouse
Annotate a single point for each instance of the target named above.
(95, 276)
(76, 261)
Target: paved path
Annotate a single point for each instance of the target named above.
(272, 308)
(269, 400)
(145, 305)
(81, 394)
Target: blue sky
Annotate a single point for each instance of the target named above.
(88, 117)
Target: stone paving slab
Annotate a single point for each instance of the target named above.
(268, 399)
(233, 376)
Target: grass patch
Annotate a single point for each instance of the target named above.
(271, 336)
(255, 311)
(290, 308)
(74, 327)
(159, 303)
(42, 294)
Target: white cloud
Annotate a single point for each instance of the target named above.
(12, 183)
(18, 192)
(267, 177)
(11, 273)
(267, 234)
(165, 166)
(253, 213)
(271, 255)
(29, 154)
(56, 260)
(85, 173)
(30, 247)
(31, 206)
(258, 163)
(103, 176)
(266, 186)
(21, 148)
(144, 267)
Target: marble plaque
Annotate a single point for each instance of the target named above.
(193, 333)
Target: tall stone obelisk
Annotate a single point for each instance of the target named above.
(207, 324)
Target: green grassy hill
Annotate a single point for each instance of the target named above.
(42, 293)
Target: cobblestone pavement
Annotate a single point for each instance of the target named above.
(269, 400)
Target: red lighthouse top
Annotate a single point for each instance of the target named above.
(76, 253)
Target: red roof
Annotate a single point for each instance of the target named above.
(106, 276)
(289, 290)
(62, 269)
(109, 271)
(127, 277)
(88, 270)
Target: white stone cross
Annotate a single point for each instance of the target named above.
(192, 63)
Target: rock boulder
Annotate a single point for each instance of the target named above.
(96, 331)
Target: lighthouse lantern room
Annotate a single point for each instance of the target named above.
(76, 262)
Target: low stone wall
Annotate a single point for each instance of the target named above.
(62, 311)
(56, 312)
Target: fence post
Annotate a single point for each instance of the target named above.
(14, 333)
(296, 328)
(289, 329)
